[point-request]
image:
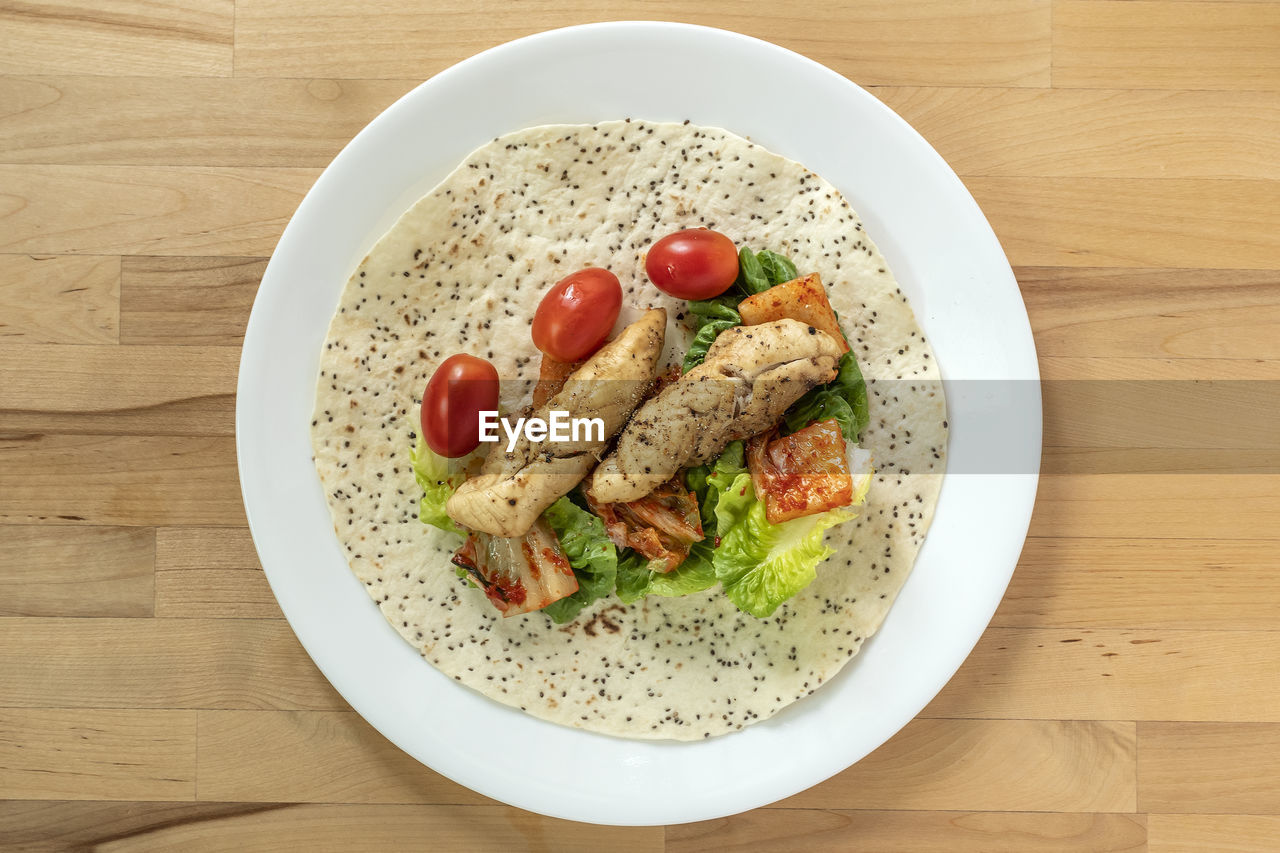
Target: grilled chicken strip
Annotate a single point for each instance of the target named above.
(513, 489)
(749, 378)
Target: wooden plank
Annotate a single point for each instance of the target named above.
(77, 571)
(187, 301)
(1162, 415)
(150, 121)
(288, 827)
(1158, 506)
(1114, 222)
(1095, 133)
(110, 479)
(1151, 584)
(1133, 426)
(1166, 44)
(1140, 416)
(989, 765)
(152, 390)
(97, 754)
(312, 756)
(157, 663)
(1087, 674)
(183, 38)
(1209, 768)
(839, 830)
(59, 300)
(1006, 42)
(166, 121)
(1060, 368)
(59, 825)
(212, 572)
(1187, 314)
(1218, 462)
(1187, 833)
(133, 210)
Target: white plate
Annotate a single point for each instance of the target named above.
(941, 249)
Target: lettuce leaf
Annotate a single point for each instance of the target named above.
(591, 554)
(761, 565)
(710, 318)
(696, 480)
(843, 398)
(776, 268)
(751, 275)
(720, 308)
(702, 341)
(708, 482)
(695, 574)
(633, 577)
(733, 504)
(439, 478)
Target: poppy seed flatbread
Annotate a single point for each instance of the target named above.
(463, 271)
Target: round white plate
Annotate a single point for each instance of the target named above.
(948, 262)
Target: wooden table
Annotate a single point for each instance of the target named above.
(151, 696)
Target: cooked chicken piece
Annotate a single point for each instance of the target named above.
(750, 376)
(514, 488)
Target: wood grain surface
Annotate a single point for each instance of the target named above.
(1127, 694)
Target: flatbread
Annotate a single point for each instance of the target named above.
(463, 271)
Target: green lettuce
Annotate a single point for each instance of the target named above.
(733, 504)
(843, 398)
(710, 318)
(633, 577)
(776, 268)
(702, 341)
(590, 552)
(762, 565)
(751, 275)
(759, 271)
(709, 482)
(695, 574)
(439, 478)
(706, 311)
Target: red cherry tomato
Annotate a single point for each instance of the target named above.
(576, 315)
(693, 264)
(457, 392)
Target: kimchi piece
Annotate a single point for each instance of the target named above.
(801, 474)
(662, 526)
(803, 299)
(520, 574)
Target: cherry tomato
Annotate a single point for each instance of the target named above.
(457, 392)
(576, 315)
(693, 264)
